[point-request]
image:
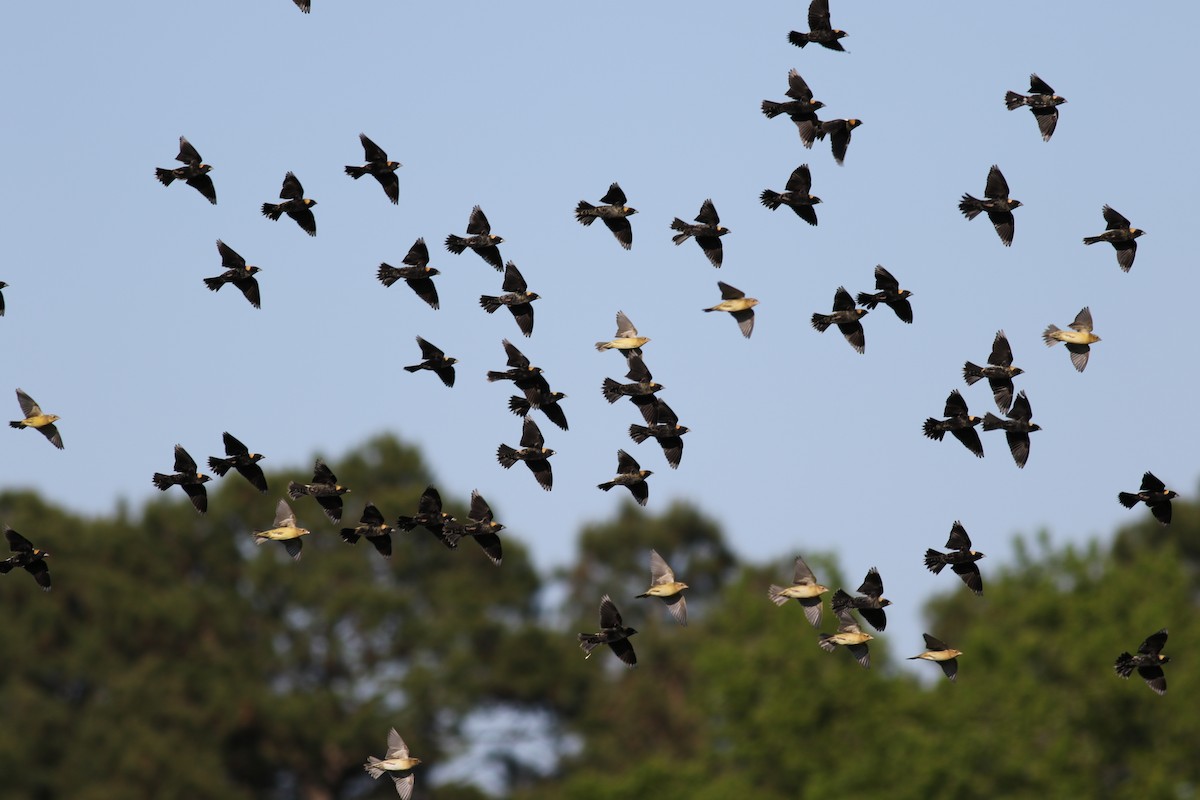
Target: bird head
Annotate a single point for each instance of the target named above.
(53, 417)
(1134, 232)
(341, 489)
(1015, 371)
(1014, 204)
(392, 166)
(494, 239)
(451, 360)
(206, 167)
(976, 554)
(851, 124)
(627, 211)
(861, 312)
(531, 296)
(202, 478)
(645, 473)
(547, 452)
(905, 293)
(1034, 427)
(308, 201)
(255, 457)
(253, 270)
(680, 429)
(883, 603)
(430, 271)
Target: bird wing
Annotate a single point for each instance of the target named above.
(659, 571)
(513, 280)
(28, 407)
(372, 151)
(614, 197)
(1083, 320)
(183, 461)
(292, 190)
(531, 434)
(625, 328)
(996, 186)
(1001, 351)
(478, 223)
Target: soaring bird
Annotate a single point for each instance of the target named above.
(664, 585)
(1121, 235)
(665, 429)
(548, 405)
(938, 652)
(1016, 428)
(804, 589)
(533, 452)
(870, 602)
(612, 633)
(999, 372)
(324, 488)
(294, 204)
(416, 272)
(26, 556)
(997, 204)
(237, 272)
(740, 307)
(241, 459)
(516, 297)
(525, 376)
(846, 316)
(193, 172)
(372, 526)
(958, 423)
(961, 558)
(435, 361)
(283, 529)
(397, 763)
(1078, 339)
(480, 239)
(186, 477)
(614, 214)
(801, 109)
(707, 232)
(378, 166)
(1042, 101)
(819, 30)
(838, 131)
(641, 391)
(626, 340)
(890, 294)
(850, 636)
(34, 418)
(1155, 494)
(630, 475)
(795, 195)
(429, 516)
(482, 527)
(1148, 662)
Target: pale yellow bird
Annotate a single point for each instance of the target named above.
(850, 636)
(1077, 339)
(804, 589)
(627, 339)
(664, 585)
(34, 418)
(395, 760)
(946, 657)
(736, 303)
(285, 530)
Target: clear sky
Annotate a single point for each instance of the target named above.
(798, 443)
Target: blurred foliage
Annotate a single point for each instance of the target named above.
(176, 659)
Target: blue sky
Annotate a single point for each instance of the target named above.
(798, 444)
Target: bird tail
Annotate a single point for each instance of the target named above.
(5, 567)
(451, 538)
(387, 274)
(494, 376)
(165, 176)
(295, 490)
(219, 465)
(1092, 239)
(405, 523)
(349, 536)
(214, 283)
(797, 38)
(611, 390)
(1127, 499)
(1124, 665)
(824, 643)
(639, 433)
(867, 300)
(776, 594)
(770, 109)
(770, 199)
(972, 373)
(356, 172)
(808, 130)
(589, 642)
(934, 561)
(1013, 100)
(370, 767)
(679, 225)
(272, 210)
(840, 601)
(162, 482)
(489, 303)
(412, 368)
(519, 405)
(583, 213)
(506, 456)
(18, 425)
(456, 244)
(969, 206)
(991, 422)
(1048, 335)
(606, 485)
(932, 430)
(602, 346)
(821, 322)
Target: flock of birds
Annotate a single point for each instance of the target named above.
(661, 423)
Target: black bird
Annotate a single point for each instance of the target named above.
(838, 131)
(846, 316)
(631, 475)
(374, 528)
(436, 361)
(958, 422)
(241, 459)
(527, 377)
(890, 294)
(26, 556)
(294, 204)
(819, 30)
(194, 173)
(612, 633)
(1155, 494)
(664, 428)
(548, 405)
(416, 273)
(188, 478)
(801, 109)
(707, 233)
(1042, 101)
(641, 391)
(999, 372)
(1016, 428)
(533, 452)
(303, 5)
(516, 296)
(482, 528)
(997, 204)
(615, 214)
(429, 516)
(324, 489)
(795, 195)
(378, 166)
(961, 558)
(869, 604)
(1120, 235)
(237, 272)
(1148, 662)
(481, 240)
(3, 285)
